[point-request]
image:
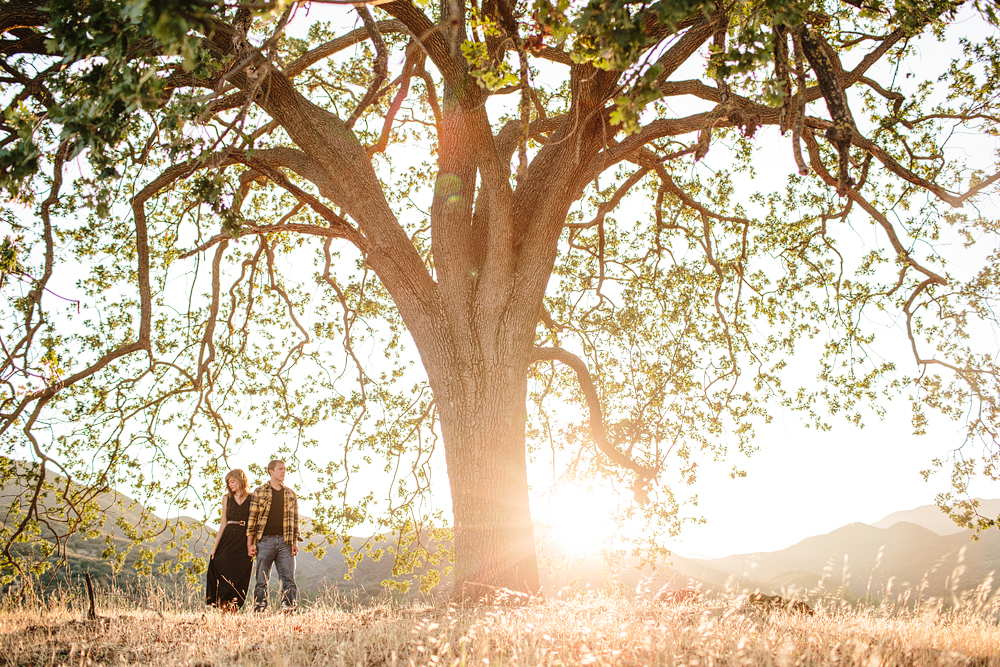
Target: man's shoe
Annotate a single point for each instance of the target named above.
(288, 608)
(259, 608)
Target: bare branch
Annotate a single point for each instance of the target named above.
(689, 42)
(800, 104)
(297, 228)
(432, 38)
(327, 49)
(338, 224)
(380, 67)
(208, 340)
(414, 58)
(643, 474)
(609, 205)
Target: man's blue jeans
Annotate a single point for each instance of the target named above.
(272, 549)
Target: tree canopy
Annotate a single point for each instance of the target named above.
(231, 222)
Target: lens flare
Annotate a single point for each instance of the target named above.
(579, 519)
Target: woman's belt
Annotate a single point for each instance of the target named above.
(238, 523)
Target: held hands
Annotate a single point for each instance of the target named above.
(252, 550)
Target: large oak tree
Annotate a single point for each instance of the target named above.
(218, 219)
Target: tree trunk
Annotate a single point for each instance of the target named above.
(487, 469)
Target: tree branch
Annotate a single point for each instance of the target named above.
(432, 38)
(643, 474)
(878, 216)
(327, 49)
(609, 205)
(380, 67)
(414, 58)
(297, 228)
(340, 226)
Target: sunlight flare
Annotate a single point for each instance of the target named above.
(579, 520)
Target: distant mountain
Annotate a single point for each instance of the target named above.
(932, 518)
(897, 561)
(82, 552)
(858, 561)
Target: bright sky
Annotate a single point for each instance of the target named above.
(804, 483)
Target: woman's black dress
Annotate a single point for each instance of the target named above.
(229, 571)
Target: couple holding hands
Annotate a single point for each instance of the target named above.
(263, 524)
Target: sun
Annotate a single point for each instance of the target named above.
(579, 520)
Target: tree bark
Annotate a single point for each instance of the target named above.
(487, 469)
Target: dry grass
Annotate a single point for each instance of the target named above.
(588, 630)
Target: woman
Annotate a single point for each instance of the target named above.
(229, 565)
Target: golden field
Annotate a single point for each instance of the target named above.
(583, 630)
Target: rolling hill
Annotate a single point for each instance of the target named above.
(932, 518)
(891, 560)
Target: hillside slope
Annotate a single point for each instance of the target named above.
(932, 518)
(863, 561)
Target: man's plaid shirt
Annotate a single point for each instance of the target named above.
(260, 505)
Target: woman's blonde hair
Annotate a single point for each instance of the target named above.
(241, 481)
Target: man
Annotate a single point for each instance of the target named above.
(273, 536)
